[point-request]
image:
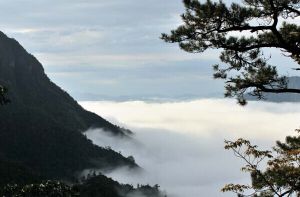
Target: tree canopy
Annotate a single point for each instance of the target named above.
(242, 32)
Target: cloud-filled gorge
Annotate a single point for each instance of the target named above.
(180, 144)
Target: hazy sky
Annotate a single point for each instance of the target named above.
(98, 49)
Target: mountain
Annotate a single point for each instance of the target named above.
(293, 82)
(41, 133)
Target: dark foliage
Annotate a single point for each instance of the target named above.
(281, 175)
(101, 186)
(43, 189)
(215, 25)
(210, 25)
(13, 172)
(94, 186)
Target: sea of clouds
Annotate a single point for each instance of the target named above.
(179, 145)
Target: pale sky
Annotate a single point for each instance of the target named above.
(99, 49)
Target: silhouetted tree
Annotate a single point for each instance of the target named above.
(242, 32)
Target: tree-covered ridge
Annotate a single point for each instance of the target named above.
(211, 25)
(93, 186)
(41, 129)
(100, 185)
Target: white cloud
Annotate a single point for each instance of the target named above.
(180, 144)
(206, 117)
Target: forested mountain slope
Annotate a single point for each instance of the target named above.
(41, 129)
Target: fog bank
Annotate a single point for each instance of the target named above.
(180, 145)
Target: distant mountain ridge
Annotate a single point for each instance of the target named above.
(293, 82)
(41, 129)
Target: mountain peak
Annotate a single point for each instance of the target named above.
(42, 126)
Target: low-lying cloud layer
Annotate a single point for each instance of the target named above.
(180, 145)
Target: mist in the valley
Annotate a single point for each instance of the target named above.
(180, 145)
